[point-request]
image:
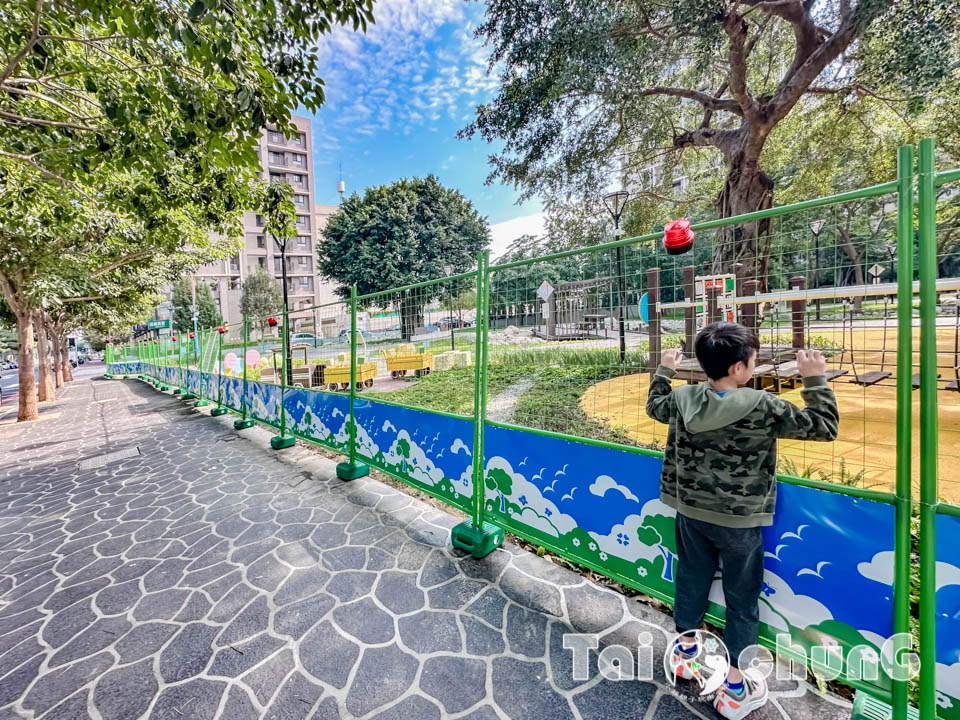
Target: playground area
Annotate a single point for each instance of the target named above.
(864, 454)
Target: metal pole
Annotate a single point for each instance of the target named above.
(621, 291)
(901, 563)
(288, 369)
(816, 271)
(283, 440)
(926, 198)
(351, 469)
(478, 390)
(202, 401)
(219, 409)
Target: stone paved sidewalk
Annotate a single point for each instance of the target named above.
(206, 576)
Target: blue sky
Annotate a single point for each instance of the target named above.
(396, 98)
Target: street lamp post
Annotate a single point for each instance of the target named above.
(816, 227)
(615, 202)
(287, 360)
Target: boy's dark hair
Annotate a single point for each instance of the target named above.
(722, 344)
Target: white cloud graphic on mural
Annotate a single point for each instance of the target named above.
(622, 540)
(387, 425)
(880, 569)
(605, 482)
(531, 518)
(948, 684)
(418, 465)
(782, 605)
(459, 445)
(523, 488)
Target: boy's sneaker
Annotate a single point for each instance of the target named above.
(735, 706)
(681, 663)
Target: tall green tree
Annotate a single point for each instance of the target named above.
(148, 113)
(261, 297)
(401, 234)
(594, 91)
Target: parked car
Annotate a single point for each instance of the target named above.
(305, 338)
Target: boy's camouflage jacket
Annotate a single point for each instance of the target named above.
(720, 462)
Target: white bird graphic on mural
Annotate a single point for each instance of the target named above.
(539, 475)
(776, 553)
(808, 571)
(796, 534)
(568, 495)
(562, 472)
(524, 461)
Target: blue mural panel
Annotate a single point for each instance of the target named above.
(209, 386)
(193, 382)
(263, 402)
(948, 616)
(320, 416)
(426, 450)
(828, 559)
(233, 393)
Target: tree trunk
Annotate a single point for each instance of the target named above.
(857, 262)
(57, 364)
(410, 316)
(65, 359)
(27, 409)
(45, 390)
(747, 189)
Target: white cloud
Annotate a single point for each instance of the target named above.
(880, 568)
(459, 445)
(504, 233)
(605, 482)
(416, 56)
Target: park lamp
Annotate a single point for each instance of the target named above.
(615, 202)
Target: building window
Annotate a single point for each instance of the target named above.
(276, 158)
(261, 242)
(298, 160)
(262, 262)
(259, 220)
(303, 221)
(276, 138)
(277, 177)
(300, 140)
(302, 261)
(297, 180)
(300, 200)
(277, 267)
(303, 242)
(304, 283)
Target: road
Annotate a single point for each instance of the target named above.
(10, 380)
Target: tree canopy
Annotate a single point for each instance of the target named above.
(400, 234)
(207, 314)
(261, 297)
(592, 93)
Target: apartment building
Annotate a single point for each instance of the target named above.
(283, 160)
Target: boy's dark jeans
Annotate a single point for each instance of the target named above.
(699, 546)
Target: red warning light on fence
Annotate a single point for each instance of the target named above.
(220, 330)
(173, 338)
(191, 336)
(677, 236)
(272, 322)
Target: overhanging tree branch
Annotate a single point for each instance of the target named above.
(31, 41)
(708, 101)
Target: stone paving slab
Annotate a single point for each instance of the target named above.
(211, 577)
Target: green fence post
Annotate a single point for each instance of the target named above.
(244, 422)
(477, 536)
(278, 442)
(188, 351)
(926, 198)
(219, 409)
(202, 401)
(901, 584)
(351, 469)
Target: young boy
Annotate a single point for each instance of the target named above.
(719, 474)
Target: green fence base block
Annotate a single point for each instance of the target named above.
(108, 376)
(869, 708)
(217, 412)
(188, 396)
(179, 391)
(477, 541)
(346, 471)
(242, 424)
(279, 442)
(201, 403)
(163, 388)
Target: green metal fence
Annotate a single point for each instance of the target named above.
(594, 322)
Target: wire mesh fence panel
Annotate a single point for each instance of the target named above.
(418, 345)
(948, 340)
(568, 344)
